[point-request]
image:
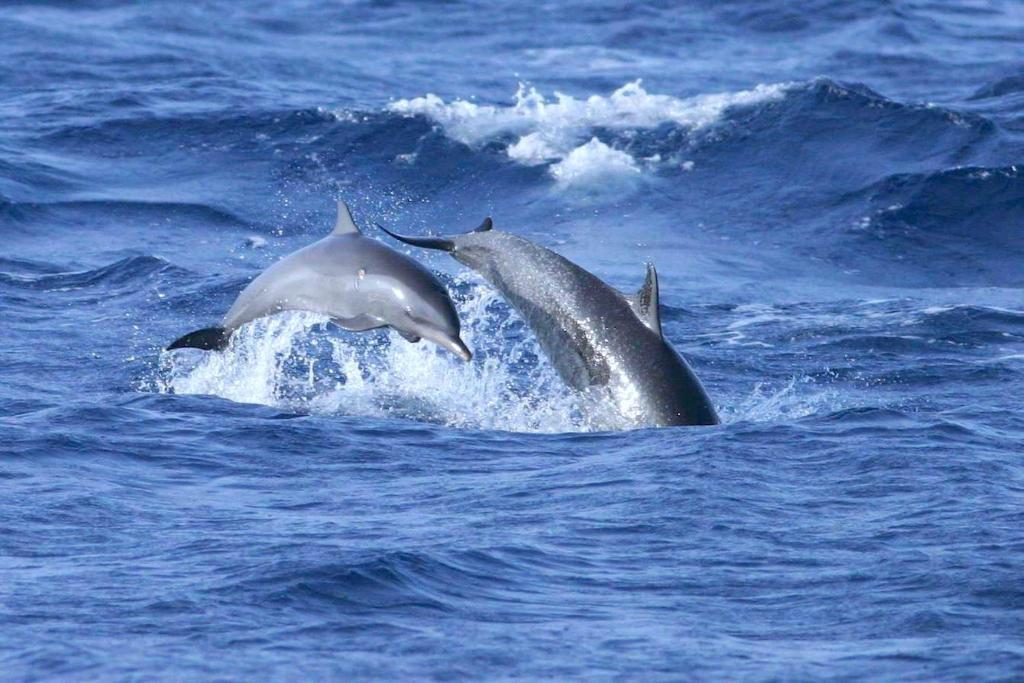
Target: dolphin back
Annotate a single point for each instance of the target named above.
(593, 334)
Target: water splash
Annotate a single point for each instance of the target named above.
(797, 398)
(298, 362)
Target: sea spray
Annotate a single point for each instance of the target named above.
(298, 362)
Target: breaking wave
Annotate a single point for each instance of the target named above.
(559, 131)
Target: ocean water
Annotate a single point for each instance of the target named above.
(833, 193)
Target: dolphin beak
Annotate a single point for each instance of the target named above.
(456, 346)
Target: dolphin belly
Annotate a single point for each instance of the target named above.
(359, 323)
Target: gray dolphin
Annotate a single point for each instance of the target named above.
(359, 282)
(593, 334)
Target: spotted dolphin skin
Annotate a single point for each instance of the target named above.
(594, 335)
(359, 282)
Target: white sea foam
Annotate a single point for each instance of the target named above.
(286, 362)
(280, 361)
(593, 163)
(560, 131)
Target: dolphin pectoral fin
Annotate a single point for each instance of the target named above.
(645, 302)
(208, 339)
(344, 225)
(408, 336)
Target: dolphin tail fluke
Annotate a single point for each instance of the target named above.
(441, 243)
(208, 339)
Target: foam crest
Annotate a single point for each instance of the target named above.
(560, 131)
(296, 362)
(593, 163)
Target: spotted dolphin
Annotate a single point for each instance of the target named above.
(359, 282)
(594, 335)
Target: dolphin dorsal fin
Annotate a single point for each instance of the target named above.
(344, 225)
(645, 302)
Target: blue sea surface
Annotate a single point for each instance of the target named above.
(833, 194)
